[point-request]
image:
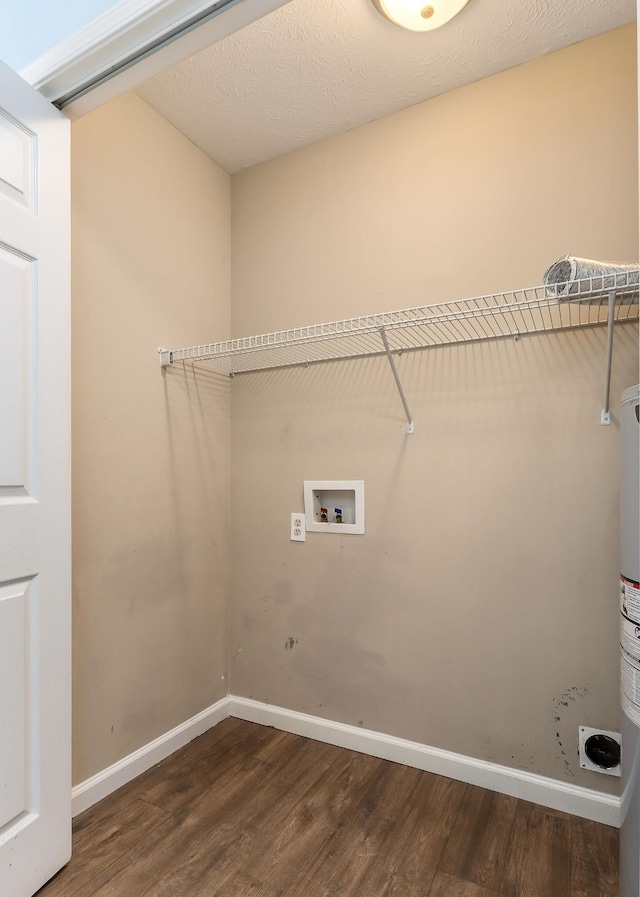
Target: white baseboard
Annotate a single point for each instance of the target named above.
(103, 783)
(538, 789)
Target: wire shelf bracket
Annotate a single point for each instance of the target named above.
(605, 417)
(396, 376)
(605, 300)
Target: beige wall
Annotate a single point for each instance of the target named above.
(478, 613)
(151, 266)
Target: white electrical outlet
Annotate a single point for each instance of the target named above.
(298, 528)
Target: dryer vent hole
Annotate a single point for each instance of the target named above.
(599, 750)
(603, 750)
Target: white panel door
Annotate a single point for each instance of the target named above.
(35, 630)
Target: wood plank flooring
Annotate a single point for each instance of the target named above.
(247, 811)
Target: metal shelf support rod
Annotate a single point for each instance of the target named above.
(605, 418)
(394, 371)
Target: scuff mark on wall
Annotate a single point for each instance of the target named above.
(290, 642)
(569, 696)
(564, 700)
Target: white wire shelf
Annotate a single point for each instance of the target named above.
(592, 302)
(496, 316)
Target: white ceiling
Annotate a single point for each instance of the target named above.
(316, 68)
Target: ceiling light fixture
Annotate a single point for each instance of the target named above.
(420, 15)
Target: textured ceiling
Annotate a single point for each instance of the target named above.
(315, 68)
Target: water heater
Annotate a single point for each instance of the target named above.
(630, 640)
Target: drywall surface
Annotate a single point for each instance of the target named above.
(151, 267)
(478, 613)
(312, 68)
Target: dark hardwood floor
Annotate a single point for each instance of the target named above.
(247, 811)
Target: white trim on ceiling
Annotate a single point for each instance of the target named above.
(131, 42)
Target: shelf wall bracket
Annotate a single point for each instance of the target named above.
(605, 417)
(394, 371)
(166, 357)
